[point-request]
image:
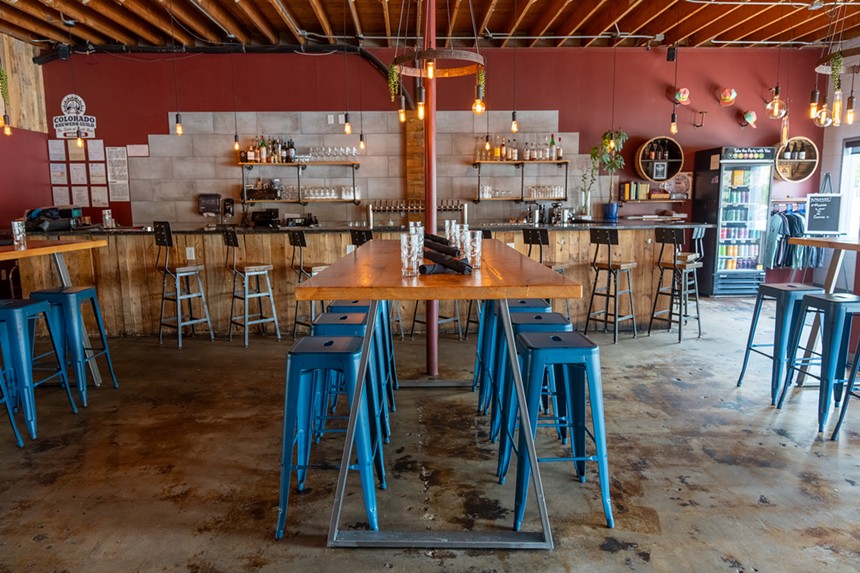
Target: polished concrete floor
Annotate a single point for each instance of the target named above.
(178, 469)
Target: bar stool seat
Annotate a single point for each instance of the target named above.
(611, 291)
(68, 301)
(838, 310)
(244, 293)
(788, 297)
(319, 356)
(576, 361)
(17, 316)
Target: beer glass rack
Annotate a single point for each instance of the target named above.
(484, 195)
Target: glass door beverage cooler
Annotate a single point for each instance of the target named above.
(732, 192)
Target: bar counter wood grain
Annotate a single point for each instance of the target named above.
(129, 287)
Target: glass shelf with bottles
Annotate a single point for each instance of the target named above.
(796, 159)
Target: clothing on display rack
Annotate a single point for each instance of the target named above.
(778, 252)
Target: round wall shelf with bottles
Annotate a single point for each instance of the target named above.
(797, 160)
(659, 159)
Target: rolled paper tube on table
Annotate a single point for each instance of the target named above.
(460, 266)
(436, 238)
(444, 249)
(434, 269)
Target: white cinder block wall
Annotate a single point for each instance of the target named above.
(165, 185)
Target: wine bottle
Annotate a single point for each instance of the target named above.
(795, 152)
(559, 150)
(553, 151)
(802, 153)
(502, 151)
(652, 151)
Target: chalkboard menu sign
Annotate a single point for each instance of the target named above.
(822, 213)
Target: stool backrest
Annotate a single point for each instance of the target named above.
(697, 238)
(539, 237)
(360, 236)
(603, 238)
(164, 241)
(486, 234)
(298, 242)
(671, 238)
(231, 241)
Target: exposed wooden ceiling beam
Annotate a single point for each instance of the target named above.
(290, 20)
(518, 18)
(697, 22)
(322, 18)
(222, 18)
(816, 31)
(258, 19)
(92, 19)
(637, 22)
(606, 19)
(356, 21)
(731, 23)
(788, 29)
(485, 21)
(123, 18)
(455, 11)
(180, 14)
(17, 32)
(581, 13)
(549, 14)
(386, 15)
(679, 13)
(45, 22)
(158, 18)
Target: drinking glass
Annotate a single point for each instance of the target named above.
(410, 249)
(454, 240)
(475, 243)
(19, 234)
(464, 239)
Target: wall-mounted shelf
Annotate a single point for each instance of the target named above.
(795, 170)
(520, 165)
(659, 159)
(300, 167)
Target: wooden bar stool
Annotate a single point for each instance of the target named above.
(610, 291)
(540, 237)
(244, 272)
(304, 270)
(683, 279)
(178, 278)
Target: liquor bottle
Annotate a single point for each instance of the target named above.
(503, 154)
(553, 152)
(786, 154)
(652, 151)
(661, 151)
(515, 151)
(802, 153)
(284, 152)
(497, 150)
(509, 150)
(559, 150)
(264, 152)
(527, 152)
(252, 153)
(795, 152)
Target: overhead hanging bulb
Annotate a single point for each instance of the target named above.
(431, 69)
(7, 129)
(813, 103)
(401, 113)
(347, 126)
(236, 142)
(783, 131)
(179, 124)
(822, 118)
(478, 106)
(361, 144)
(515, 126)
(776, 108)
(673, 126)
(420, 93)
(79, 139)
(849, 111)
(836, 113)
(487, 145)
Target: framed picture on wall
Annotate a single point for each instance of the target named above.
(660, 169)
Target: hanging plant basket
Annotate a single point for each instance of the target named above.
(836, 70)
(4, 88)
(393, 81)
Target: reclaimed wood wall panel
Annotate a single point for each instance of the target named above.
(26, 88)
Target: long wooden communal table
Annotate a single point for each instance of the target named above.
(840, 246)
(373, 272)
(56, 248)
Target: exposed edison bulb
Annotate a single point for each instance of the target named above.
(7, 129)
(487, 145)
(673, 126)
(347, 126)
(79, 140)
(836, 112)
(478, 106)
(401, 113)
(813, 103)
(849, 111)
(179, 124)
(612, 144)
(822, 118)
(361, 144)
(236, 142)
(420, 98)
(431, 69)
(776, 108)
(783, 131)
(421, 110)
(515, 126)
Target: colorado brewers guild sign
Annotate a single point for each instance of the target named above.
(74, 118)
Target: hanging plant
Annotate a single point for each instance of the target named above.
(836, 70)
(393, 81)
(481, 79)
(4, 88)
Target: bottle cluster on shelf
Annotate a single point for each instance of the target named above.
(269, 150)
(529, 148)
(736, 197)
(739, 233)
(658, 150)
(736, 214)
(794, 151)
(414, 206)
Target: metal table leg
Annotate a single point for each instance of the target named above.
(66, 280)
(439, 539)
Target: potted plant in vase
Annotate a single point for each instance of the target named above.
(587, 181)
(607, 156)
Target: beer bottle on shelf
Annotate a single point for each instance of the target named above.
(786, 154)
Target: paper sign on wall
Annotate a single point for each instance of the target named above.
(100, 196)
(80, 196)
(56, 150)
(58, 174)
(96, 148)
(76, 153)
(98, 174)
(78, 173)
(60, 195)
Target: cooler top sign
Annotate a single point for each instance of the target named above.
(748, 153)
(74, 118)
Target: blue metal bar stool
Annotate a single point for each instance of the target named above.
(17, 315)
(787, 297)
(576, 360)
(609, 292)
(683, 281)
(67, 301)
(304, 270)
(850, 390)
(244, 272)
(355, 324)
(318, 355)
(6, 397)
(502, 396)
(838, 309)
(178, 278)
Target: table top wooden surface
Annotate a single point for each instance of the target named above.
(372, 271)
(36, 248)
(843, 243)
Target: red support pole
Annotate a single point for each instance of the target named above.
(432, 306)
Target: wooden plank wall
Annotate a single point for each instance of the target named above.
(129, 286)
(26, 88)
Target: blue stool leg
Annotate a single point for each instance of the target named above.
(70, 319)
(291, 399)
(849, 389)
(54, 326)
(533, 368)
(20, 353)
(103, 336)
(480, 345)
(595, 391)
(303, 438)
(6, 398)
(781, 333)
(363, 449)
(791, 355)
(831, 333)
(751, 338)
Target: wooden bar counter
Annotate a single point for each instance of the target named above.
(129, 286)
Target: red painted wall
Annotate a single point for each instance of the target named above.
(131, 95)
(25, 180)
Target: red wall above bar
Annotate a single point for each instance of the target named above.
(25, 182)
